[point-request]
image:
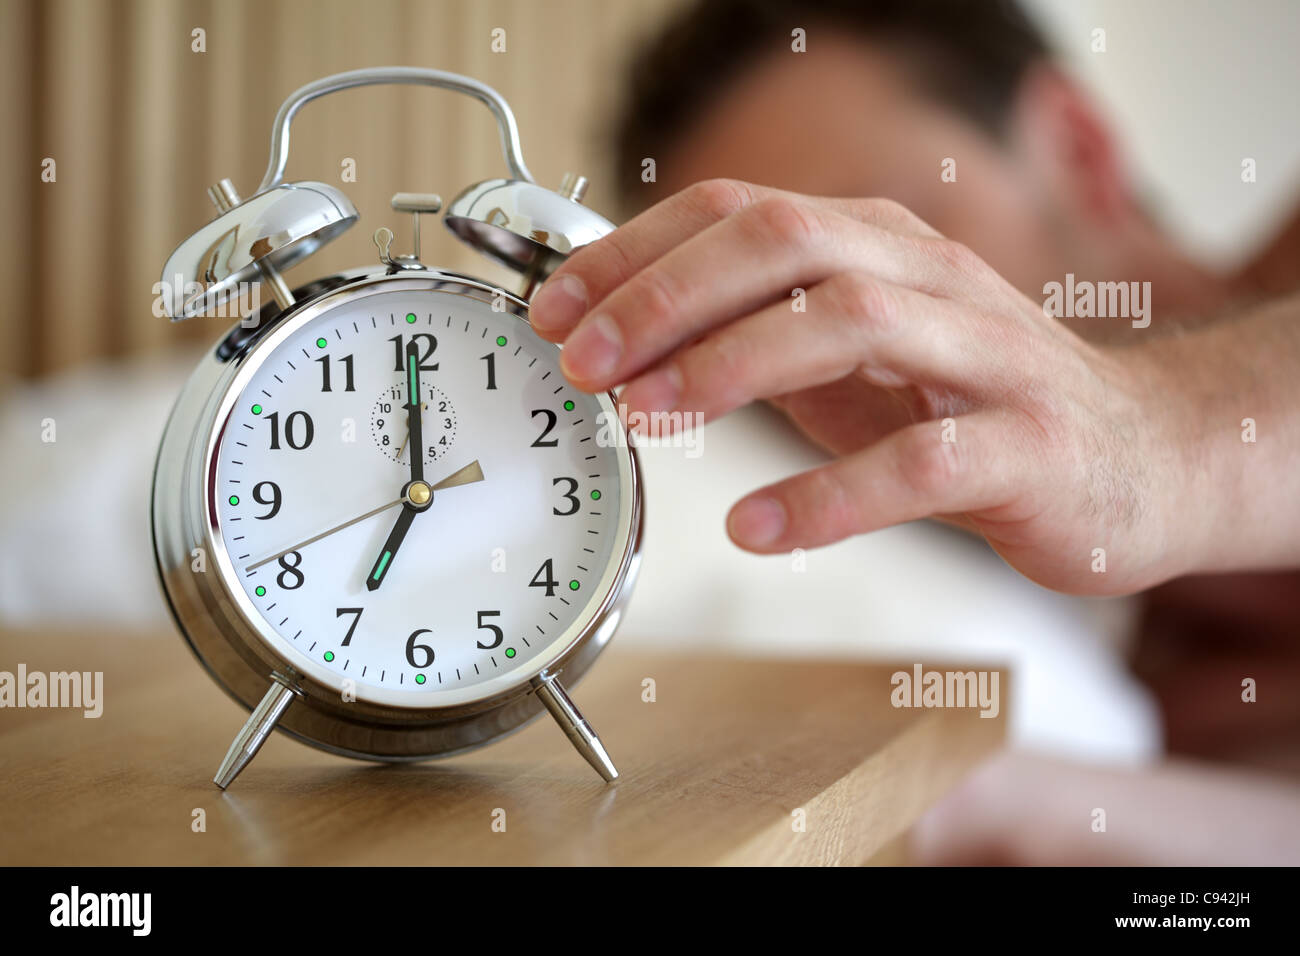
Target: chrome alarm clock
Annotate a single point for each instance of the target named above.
(383, 520)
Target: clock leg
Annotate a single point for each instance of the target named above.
(575, 726)
(256, 729)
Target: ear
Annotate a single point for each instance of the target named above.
(1069, 145)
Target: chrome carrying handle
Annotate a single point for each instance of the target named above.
(394, 75)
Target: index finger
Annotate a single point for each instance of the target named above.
(595, 270)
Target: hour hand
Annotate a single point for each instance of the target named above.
(389, 550)
(416, 497)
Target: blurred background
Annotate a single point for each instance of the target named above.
(140, 125)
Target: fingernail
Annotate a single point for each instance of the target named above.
(757, 522)
(656, 391)
(559, 303)
(593, 350)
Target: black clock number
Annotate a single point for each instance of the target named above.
(542, 441)
(491, 360)
(569, 496)
(412, 647)
(548, 581)
(324, 364)
(500, 635)
(298, 430)
(291, 573)
(339, 612)
(273, 501)
(399, 351)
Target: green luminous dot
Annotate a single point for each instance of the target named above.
(419, 678)
(257, 409)
(410, 318)
(595, 496)
(329, 656)
(234, 499)
(321, 343)
(568, 406)
(510, 652)
(501, 340)
(259, 591)
(573, 585)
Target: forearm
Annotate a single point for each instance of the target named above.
(1026, 809)
(1233, 391)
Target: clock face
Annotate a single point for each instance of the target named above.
(426, 582)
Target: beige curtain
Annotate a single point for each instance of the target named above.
(139, 124)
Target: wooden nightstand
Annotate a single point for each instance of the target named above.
(714, 771)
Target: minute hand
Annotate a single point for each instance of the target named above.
(413, 410)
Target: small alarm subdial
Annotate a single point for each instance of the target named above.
(390, 426)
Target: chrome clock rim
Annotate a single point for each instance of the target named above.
(239, 647)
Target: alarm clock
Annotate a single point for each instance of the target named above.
(383, 520)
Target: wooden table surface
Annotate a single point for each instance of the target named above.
(713, 771)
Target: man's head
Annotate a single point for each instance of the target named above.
(889, 94)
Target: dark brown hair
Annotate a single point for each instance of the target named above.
(969, 54)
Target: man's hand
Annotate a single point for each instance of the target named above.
(1056, 448)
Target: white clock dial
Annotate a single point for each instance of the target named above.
(492, 574)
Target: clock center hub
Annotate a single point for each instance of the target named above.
(417, 495)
